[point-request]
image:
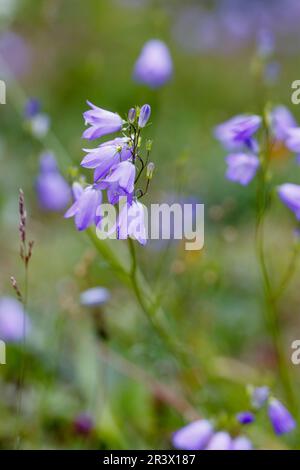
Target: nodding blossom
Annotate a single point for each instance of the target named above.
(101, 122)
(289, 193)
(94, 296)
(259, 396)
(241, 443)
(52, 189)
(245, 417)
(32, 108)
(281, 419)
(293, 139)
(281, 121)
(154, 65)
(118, 165)
(220, 441)
(193, 436)
(237, 133)
(14, 322)
(241, 167)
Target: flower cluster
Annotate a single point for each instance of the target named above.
(118, 165)
(238, 136)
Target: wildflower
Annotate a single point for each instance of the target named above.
(220, 441)
(154, 65)
(194, 436)
(106, 156)
(94, 296)
(144, 115)
(259, 396)
(120, 182)
(52, 189)
(293, 139)
(85, 206)
(131, 115)
(238, 131)
(102, 122)
(282, 121)
(289, 193)
(282, 421)
(265, 43)
(14, 322)
(241, 443)
(39, 125)
(32, 108)
(131, 222)
(84, 424)
(245, 417)
(241, 167)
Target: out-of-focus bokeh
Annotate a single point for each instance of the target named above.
(96, 374)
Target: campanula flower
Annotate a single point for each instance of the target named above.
(120, 182)
(245, 417)
(220, 441)
(52, 189)
(106, 156)
(241, 167)
(154, 66)
(39, 125)
(13, 321)
(193, 436)
(241, 443)
(238, 131)
(131, 222)
(101, 122)
(84, 424)
(281, 419)
(85, 206)
(282, 121)
(259, 396)
(293, 139)
(32, 108)
(94, 296)
(144, 115)
(289, 193)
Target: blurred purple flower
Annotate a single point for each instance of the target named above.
(32, 108)
(120, 182)
(106, 156)
(52, 189)
(13, 320)
(241, 167)
(282, 121)
(293, 139)
(220, 441)
(238, 131)
(265, 43)
(16, 53)
(39, 125)
(193, 436)
(281, 419)
(154, 65)
(241, 443)
(84, 424)
(144, 115)
(259, 396)
(84, 209)
(102, 122)
(131, 222)
(289, 193)
(245, 417)
(94, 296)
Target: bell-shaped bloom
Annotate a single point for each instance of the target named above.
(131, 222)
(289, 193)
(39, 125)
(241, 443)
(282, 121)
(238, 131)
(84, 424)
(120, 182)
(94, 297)
(84, 209)
(193, 436)
(241, 167)
(106, 156)
(259, 396)
(220, 441)
(101, 122)
(144, 115)
(293, 139)
(52, 189)
(14, 322)
(245, 417)
(281, 419)
(154, 66)
(32, 108)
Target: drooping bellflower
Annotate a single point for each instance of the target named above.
(245, 417)
(237, 132)
(101, 122)
(241, 167)
(94, 296)
(131, 222)
(154, 66)
(193, 436)
(84, 209)
(281, 419)
(289, 193)
(14, 322)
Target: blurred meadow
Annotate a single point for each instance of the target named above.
(101, 376)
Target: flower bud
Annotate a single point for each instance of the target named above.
(150, 170)
(131, 115)
(144, 115)
(149, 143)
